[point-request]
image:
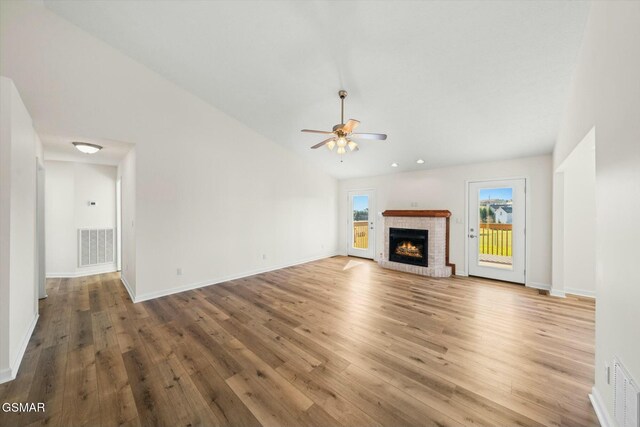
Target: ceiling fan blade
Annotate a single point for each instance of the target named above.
(324, 132)
(378, 136)
(350, 125)
(320, 144)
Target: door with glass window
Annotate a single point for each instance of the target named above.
(496, 229)
(361, 224)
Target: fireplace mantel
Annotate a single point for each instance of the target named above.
(432, 214)
(421, 219)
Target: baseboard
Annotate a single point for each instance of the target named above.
(538, 285)
(556, 293)
(580, 292)
(127, 287)
(461, 273)
(110, 268)
(600, 408)
(10, 374)
(190, 286)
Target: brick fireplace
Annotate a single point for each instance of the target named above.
(417, 241)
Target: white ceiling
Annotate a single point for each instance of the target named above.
(60, 147)
(450, 82)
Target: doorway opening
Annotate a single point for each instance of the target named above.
(574, 221)
(41, 279)
(119, 223)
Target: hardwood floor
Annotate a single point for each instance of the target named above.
(334, 342)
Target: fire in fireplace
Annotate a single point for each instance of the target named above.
(408, 246)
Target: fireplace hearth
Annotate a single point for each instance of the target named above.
(408, 246)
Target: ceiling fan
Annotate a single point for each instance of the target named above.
(342, 134)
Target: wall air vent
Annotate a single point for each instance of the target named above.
(626, 397)
(95, 246)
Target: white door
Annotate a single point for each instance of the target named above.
(361, 224)
(496, 229)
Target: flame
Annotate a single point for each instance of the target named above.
(408, 249)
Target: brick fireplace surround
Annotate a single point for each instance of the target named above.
(437, 222)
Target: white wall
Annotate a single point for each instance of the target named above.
(445, 189)
(18, 302)
(575, 254)
(69, 188)
(605, 93)
(213, 197)
(127, 175)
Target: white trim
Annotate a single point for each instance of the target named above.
(191, 286)
(110, 268)
(580, 292)
(537, 285)
(11, 373)
(555, 293)
(461, 273)
(127, 287)
(600, 408)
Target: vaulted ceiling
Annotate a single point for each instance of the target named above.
(449, 82)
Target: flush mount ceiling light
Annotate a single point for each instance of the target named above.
(419, 161)
(87, 148)
(394, 165)
(342, 134)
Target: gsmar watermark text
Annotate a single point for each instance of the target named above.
(23, 407)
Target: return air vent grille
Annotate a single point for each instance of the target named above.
(95, 246)
(626, 397)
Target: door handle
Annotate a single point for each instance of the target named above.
(471, 236)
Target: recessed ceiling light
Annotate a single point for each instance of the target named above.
(87, 148)
(419, 161)
(394, 165)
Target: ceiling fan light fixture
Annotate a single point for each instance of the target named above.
(86, 148)
(419, 161)
(342, 132)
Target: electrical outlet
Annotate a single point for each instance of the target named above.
(179, 271)
(264, 256)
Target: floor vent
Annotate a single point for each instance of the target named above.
(95, 246)
(626, 397)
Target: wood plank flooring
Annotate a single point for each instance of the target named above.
(334, 342)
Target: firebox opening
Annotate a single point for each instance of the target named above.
(408, 246)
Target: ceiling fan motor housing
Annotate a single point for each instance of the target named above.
(338, 130)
